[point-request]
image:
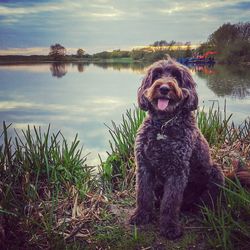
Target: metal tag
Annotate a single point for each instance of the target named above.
(160, 137)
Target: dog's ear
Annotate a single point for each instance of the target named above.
(188, 86)
(146, 82)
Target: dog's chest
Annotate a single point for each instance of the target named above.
(160, 146)
(162, 149)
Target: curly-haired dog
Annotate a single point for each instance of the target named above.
(172, 156)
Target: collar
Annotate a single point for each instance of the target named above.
(162, 124)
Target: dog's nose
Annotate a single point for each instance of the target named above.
(164, 89)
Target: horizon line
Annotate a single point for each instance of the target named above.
(43, 51)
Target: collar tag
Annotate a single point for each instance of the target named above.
(161, 137)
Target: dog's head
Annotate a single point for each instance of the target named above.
(167, 87)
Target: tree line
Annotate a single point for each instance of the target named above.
(58, 52)
(230, 41)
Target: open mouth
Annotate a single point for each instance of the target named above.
(162, 103)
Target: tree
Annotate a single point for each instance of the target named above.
(188, 51)
(231, 41)
(80, 52)
(57, 51)
(222, 37)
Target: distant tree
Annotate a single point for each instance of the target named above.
(171, 44)
(138, 54)
(80, 52)
(204, 47)
(160, 43)
(57, 51)
(102, 55)
(231, 41)
(243, 31)
(223, 36)
(188, 51)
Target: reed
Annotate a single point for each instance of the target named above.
(229, 221)
(118, 171)
(217, 126)
(38, 172)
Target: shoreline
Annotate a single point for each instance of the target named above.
(8, 60)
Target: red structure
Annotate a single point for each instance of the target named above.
(208, 53)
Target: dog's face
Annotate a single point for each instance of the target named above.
(164, 94)
(167, 87)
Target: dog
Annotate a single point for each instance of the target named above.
(174, 167)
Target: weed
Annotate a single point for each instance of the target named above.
(38, 171)
(230, 222)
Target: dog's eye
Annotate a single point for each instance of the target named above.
(177, 75)
(157, 73)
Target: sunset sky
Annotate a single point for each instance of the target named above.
(30, 27)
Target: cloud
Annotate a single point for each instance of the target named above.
(5, 11)
(108, 24)
(25, 51)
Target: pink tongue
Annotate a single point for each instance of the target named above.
(162, 104)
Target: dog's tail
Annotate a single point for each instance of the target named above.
(240, 172)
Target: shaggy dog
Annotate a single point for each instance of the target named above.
(174, 167)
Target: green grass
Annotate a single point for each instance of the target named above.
(217, 126)
(229, 222)
(38, 170)
(49, 195)
(118, 171)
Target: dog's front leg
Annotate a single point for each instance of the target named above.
(170, 206)
(145, 198)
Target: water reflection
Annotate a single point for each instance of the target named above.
(203, 69)
(226, 80)
(58, 69)
(138, 67)
(80, 67)
(222, 80)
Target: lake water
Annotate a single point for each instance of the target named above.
(77, 98)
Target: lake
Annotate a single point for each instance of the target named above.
(79, 98)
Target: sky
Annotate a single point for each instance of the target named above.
(30, 27)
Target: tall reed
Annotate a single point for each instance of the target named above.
(37, 170)
(229, 221)
(118, 171)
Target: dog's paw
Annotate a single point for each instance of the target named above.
(140, 218)
(171, 232)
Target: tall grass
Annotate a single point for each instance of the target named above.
(118, 171)
(37, 170)
(229, 222)
(217, 126)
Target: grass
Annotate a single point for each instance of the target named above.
(217, 126)
(118, 171)
(40, 173)
(229, 223)
(50, 198)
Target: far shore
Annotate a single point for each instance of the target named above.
(8, 60)
(86, 59)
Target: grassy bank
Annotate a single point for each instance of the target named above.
(50, 198)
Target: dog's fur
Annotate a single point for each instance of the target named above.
(174, 167)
